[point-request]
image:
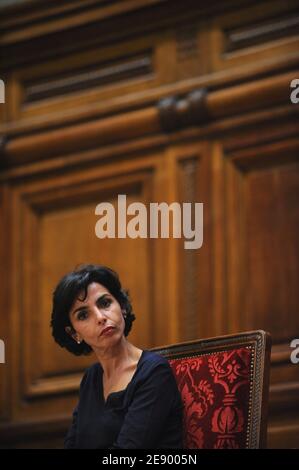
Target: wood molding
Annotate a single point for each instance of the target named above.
(178, 113)
(111, 72)
(148, 98)
(54, 19)
(16, 432)
(170, 114)
(26, 23)
(282, 119)
(82, 136)
(249, 36)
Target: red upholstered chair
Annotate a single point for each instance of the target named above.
(224, 385)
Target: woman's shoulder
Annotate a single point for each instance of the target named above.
(151, 360)
(154, 358)
(154, 371)
(91, 375)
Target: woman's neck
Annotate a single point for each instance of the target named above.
(117, 359)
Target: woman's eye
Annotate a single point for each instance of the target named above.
(82, 315)
(105, 302)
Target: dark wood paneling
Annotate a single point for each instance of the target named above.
(44, 252)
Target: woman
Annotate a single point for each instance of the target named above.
(128, 399)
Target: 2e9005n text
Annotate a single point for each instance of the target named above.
(171, 459)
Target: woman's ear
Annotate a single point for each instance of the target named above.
(70, 331)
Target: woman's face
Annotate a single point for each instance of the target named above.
(98, 320)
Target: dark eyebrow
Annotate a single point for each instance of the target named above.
(85, 306)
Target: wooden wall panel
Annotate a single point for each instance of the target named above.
(262, 207)
(4, 318)
(263, 262)
(272, 218)
(253, 36)
(54, 226)
(82, 79)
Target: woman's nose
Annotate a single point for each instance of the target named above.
(100, 315)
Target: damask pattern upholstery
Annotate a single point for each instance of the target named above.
(224, 384)
(215, 390)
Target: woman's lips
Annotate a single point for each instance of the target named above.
(107, 331)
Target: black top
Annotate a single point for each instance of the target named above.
(147, 414)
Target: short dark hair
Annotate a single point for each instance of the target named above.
(67, 291)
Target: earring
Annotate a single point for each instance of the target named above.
(78, 341)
